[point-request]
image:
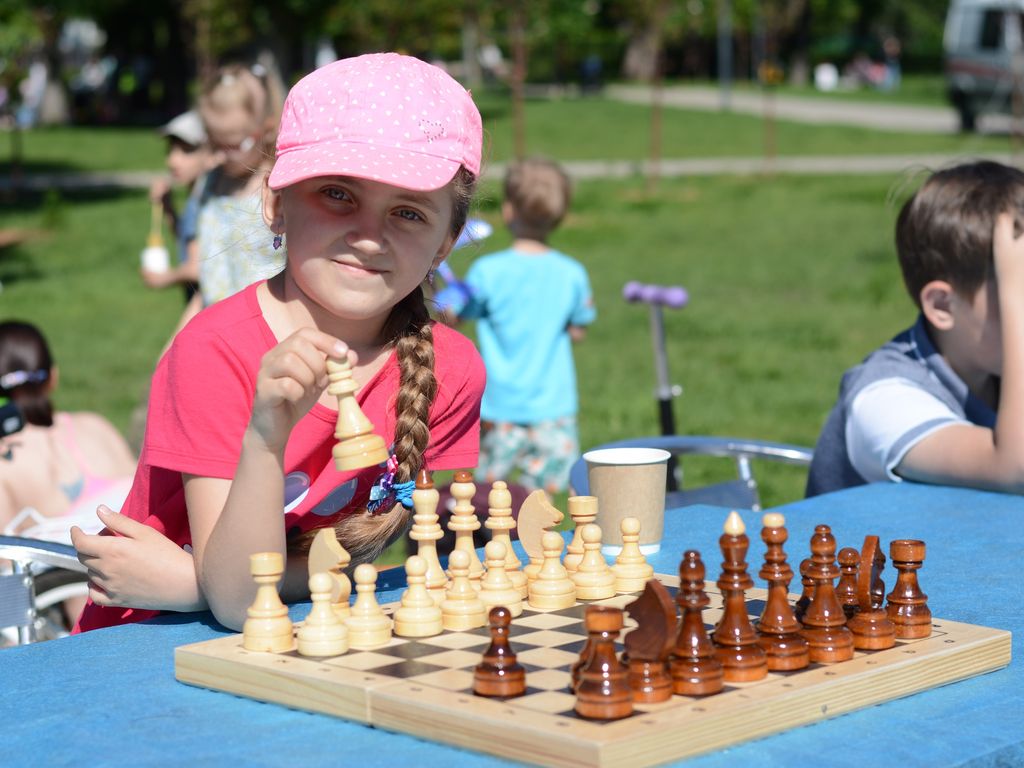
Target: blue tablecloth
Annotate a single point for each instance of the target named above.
(110, 698)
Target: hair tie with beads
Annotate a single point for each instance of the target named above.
(385, 492)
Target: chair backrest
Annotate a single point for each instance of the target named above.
(741, 493)
(17, 588)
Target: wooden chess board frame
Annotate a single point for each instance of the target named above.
(423, 688)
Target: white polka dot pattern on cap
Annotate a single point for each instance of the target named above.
(381, 116)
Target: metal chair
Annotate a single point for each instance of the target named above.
(741, 493)
(43, 575)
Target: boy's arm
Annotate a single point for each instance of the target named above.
(969, 455)
(577, 333)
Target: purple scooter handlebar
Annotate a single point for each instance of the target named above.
(671, 296)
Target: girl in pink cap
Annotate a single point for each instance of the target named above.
(377, 157)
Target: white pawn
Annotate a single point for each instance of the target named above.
(631, 569)
(500, 522)
(426, 531)
(462, 608)
(496, 588)
(322, 633)
(418, 615)
(582, 510)
(552, 590)
(594, 580)
(267, 627)
(368, 625)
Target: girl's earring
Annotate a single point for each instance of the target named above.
(430, 277)
(278, 239)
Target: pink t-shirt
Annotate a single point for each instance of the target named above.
(200, 403)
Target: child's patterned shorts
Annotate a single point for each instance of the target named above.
(543, 453)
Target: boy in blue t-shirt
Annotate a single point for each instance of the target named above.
(943, 402)
(531, 303)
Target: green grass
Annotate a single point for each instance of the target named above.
(76, 149)
(78, 280)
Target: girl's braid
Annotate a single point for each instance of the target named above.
(409, 328)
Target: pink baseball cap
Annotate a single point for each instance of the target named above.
(381, 116)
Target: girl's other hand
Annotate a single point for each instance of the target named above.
(138, 568)
(291, 378)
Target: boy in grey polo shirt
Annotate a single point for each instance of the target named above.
(924, 406)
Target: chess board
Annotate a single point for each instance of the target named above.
(423, 687)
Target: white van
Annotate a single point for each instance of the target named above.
(983, 50)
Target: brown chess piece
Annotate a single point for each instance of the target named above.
(780, 631)
(649, 643)
(908, 605)
(603, 692)
(828, 639)
(576, 669)
(846, 589)
(807, 589)
(872, 630)
(499, 675)
(735, 639)
(695, 669)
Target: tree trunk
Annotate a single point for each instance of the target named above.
(517, 32)
(55, 107)
(644, 49)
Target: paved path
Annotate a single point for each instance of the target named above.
(589, 169)
(819, 111)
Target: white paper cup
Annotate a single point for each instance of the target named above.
(629, 482)
(155, 258)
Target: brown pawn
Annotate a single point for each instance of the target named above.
(499, 675)
(807, 583)
(846, 589)
(743, 659)
(603, 692)
(695, 669)
(785, 648)
(650, 642)
(828, 639)
(870, 625)
(908, 605)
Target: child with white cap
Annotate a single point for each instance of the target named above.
(188, 160)
(377, 157)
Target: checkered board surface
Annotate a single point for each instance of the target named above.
(423, 687)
